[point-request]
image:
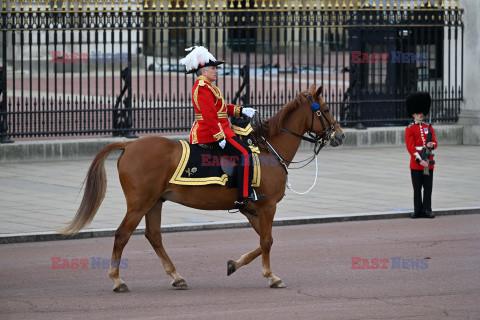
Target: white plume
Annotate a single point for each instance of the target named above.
(198, 57)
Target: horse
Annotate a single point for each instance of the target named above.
(147, 164)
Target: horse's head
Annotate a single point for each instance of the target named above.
(322, 122)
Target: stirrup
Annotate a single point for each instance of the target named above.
(254, 197)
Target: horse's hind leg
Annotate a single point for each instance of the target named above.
(122, 235)
(153, 220)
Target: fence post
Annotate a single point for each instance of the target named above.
(246, 98)
(128, 133)
(3, 92)
(122, 119)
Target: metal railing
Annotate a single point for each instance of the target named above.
(106, 67)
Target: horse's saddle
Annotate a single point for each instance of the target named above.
(208, 164)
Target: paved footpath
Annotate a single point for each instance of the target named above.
(40, 196)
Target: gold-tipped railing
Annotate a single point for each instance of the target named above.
(226, 5)
(62, 14)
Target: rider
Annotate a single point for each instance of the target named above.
(211, 119)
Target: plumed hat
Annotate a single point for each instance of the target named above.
(198, 58)
(418, 102)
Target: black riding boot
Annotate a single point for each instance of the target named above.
(241, 203)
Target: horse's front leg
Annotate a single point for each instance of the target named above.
(233, 265)
(266, 241)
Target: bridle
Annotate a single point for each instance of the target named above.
(319, 140)
(328, 132)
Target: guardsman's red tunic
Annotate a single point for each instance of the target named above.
(211, 113)
(415, 139)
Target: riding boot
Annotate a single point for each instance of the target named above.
(241, 203)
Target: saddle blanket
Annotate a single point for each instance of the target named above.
(199, 166)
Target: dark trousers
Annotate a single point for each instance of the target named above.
(242, 152)
(420, 181)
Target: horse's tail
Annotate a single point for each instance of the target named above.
(95, 188)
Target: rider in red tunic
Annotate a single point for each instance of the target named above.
(418, 106)
(211, 112)
(211, 119)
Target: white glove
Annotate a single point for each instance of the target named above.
(222, 143)
(249, 112)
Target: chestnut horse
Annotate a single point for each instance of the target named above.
(147, 164)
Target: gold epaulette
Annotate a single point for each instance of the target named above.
(237, 111)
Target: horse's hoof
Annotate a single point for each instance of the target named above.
(180, 284)
(277, 284)
(231, 267)
(121, 288)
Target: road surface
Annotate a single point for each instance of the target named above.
(320, 264)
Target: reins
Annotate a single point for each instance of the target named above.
(282, 161)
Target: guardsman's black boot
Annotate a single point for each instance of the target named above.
(429, 214)
(415, 215)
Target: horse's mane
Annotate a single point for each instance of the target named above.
(273, 125)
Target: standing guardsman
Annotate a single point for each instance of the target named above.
(420, 141)
(211, 119)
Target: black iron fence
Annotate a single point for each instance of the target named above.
(103, 67)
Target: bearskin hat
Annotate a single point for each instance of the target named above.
(198, 58)
(418, 102)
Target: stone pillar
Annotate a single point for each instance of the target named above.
(470, 107)
(8, 38)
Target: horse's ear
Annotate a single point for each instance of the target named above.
(312, 88)
(319, 91)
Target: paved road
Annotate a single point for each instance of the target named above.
(315, 262)
(40, 196)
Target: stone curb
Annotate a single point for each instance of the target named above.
(110, 232)
(87, 148)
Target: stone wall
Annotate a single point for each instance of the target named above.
(470, 106)
(72, 149)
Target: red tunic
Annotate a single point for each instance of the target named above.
(415, 139)
(211, 113)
